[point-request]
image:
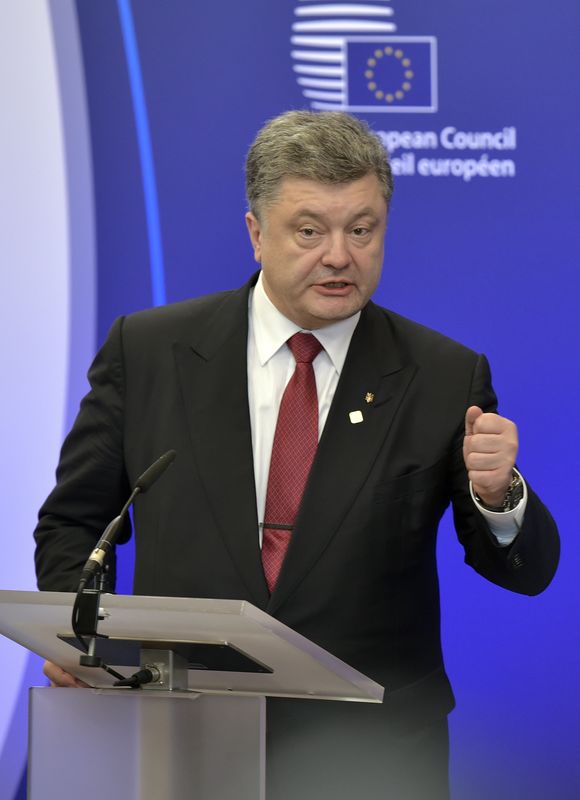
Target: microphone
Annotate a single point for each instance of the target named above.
(107, 541)
(155, 471)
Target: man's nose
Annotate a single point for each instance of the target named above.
(336, 253)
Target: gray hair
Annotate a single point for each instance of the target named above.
(328, 146)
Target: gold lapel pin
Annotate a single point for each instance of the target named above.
(369, 397)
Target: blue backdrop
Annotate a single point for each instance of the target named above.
(482, 124)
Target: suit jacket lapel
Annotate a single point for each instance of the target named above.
(213, 377)
(374, 364)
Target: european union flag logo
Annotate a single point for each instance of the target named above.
(391, 73)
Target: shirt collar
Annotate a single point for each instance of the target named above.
(272, 329)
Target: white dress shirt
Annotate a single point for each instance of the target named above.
(270, 367)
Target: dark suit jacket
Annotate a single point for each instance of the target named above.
(360, 575)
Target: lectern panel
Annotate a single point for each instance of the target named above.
(295, 666)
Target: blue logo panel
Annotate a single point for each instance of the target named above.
(391, 73)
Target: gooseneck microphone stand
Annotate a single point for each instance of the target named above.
(93, 581)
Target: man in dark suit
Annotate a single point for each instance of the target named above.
(406, 423)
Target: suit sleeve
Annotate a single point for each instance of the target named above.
(527, 565)
(91, 481)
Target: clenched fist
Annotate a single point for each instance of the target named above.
(490, 447)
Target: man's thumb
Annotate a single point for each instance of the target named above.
(473, 412)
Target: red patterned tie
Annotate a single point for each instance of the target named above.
(295, 443)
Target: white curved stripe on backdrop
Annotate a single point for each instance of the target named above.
(47, 297)
(329, 10)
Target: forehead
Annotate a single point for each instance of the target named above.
(297, 196)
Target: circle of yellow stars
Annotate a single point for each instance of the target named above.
(408, 74)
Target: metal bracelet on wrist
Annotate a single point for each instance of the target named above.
(513, 495)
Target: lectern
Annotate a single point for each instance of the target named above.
(196, 734)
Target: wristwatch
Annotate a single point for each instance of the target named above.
(513, 495)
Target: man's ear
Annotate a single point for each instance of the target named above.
(255, 231)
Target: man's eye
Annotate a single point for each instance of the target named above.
(360, 231)
(308, 232)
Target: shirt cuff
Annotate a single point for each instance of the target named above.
(505, 525)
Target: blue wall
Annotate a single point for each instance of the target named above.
(175, 93)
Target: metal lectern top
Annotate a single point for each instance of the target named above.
(299, 668)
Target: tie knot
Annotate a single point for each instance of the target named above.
(305, 347)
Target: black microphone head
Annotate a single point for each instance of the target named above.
(155, 471)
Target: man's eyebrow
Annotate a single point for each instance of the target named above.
(367, 211)
(306, 212)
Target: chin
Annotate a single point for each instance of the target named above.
(339, 311)
(320, 320)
